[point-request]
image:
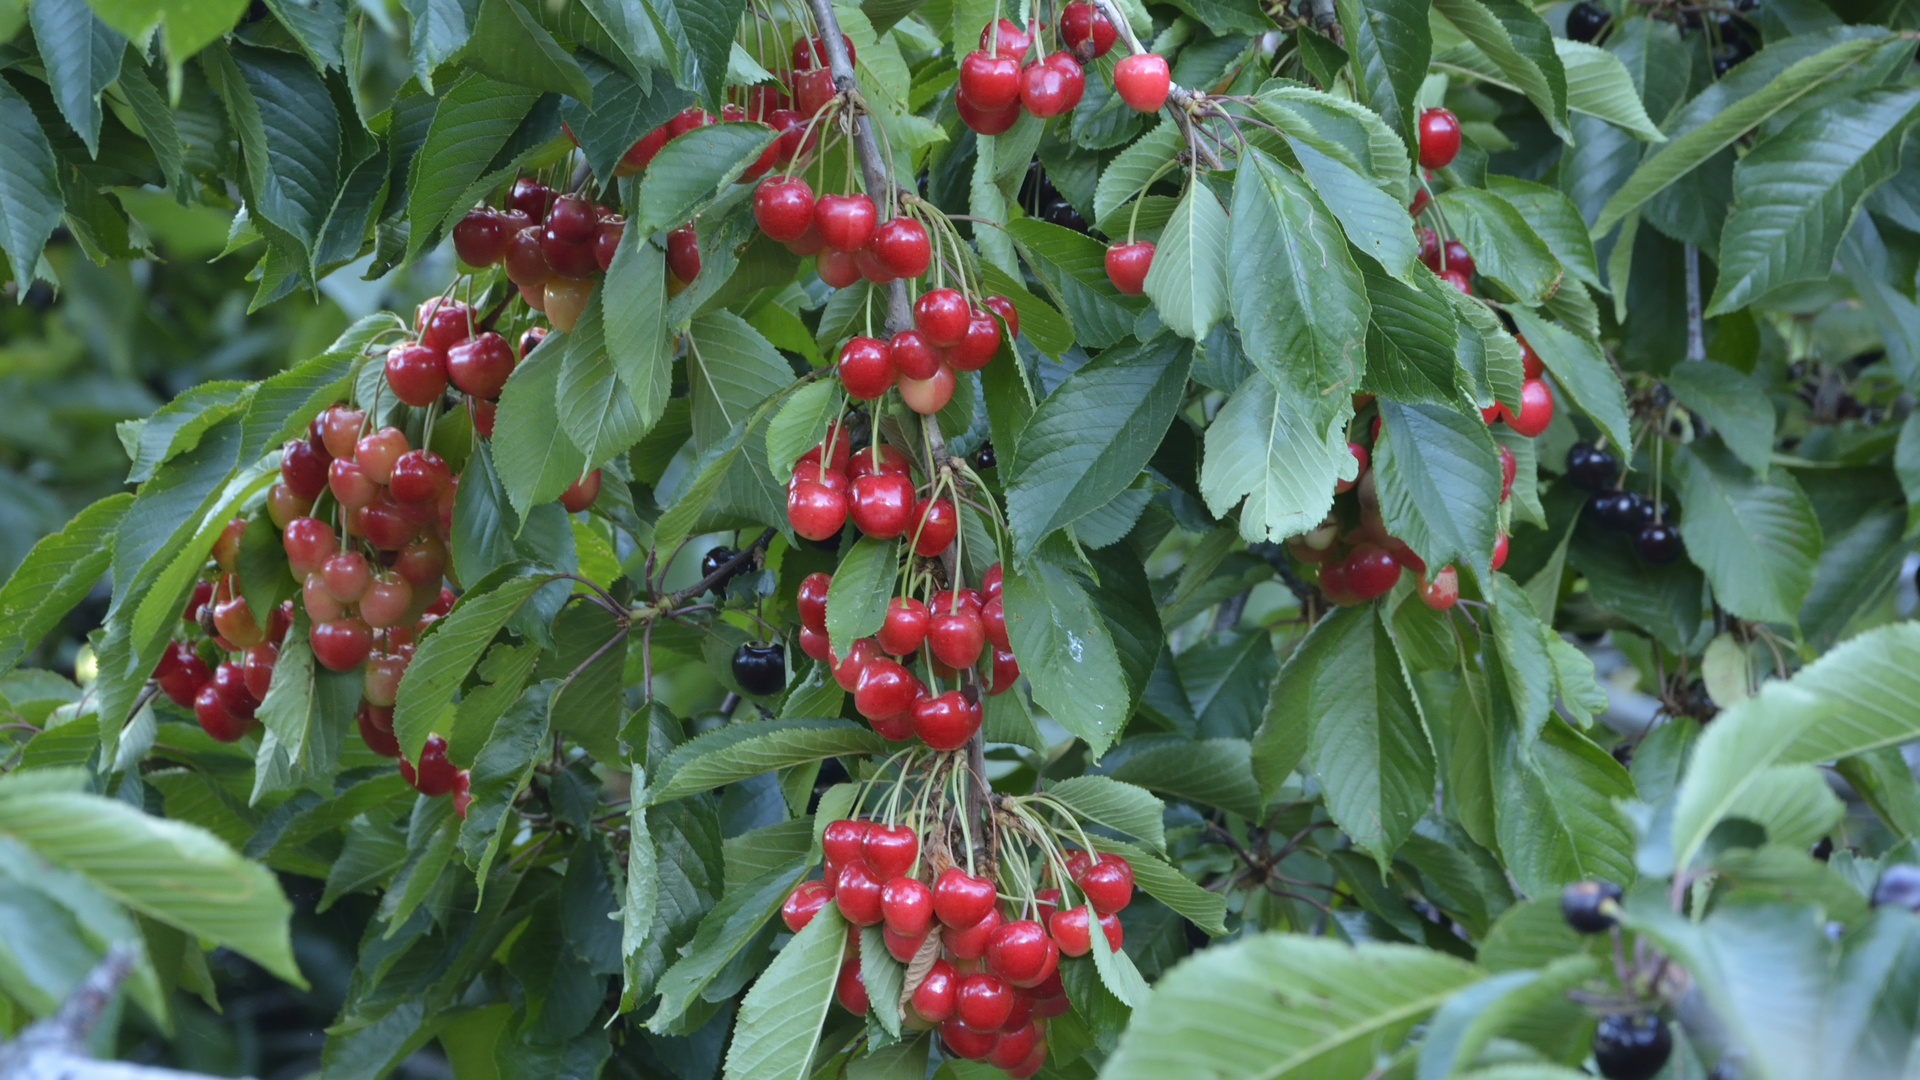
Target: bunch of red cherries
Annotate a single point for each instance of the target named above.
(224, 696)
(554, 246)
(998, 82)
(997, 980)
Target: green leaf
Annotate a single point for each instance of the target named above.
(780, 1018)
(290, 133)
(508, 44)
(82, 55)
(536, 460)
(1368, 745)
(1553, 218)
(693, 170)
(700, 33)
(1285, 1007)
(177, 873)
(30, 199)
(862, 586)
(1581, 370)
(475, 121)
(1265, 448)
(1072, 268)
(1343, 130)
(799, 425)
(56, 575)
(447, 654)
(1795, 193)
(320, 27)
(1466, 1024)
(500, 771)
(1390, 42)
(729, 928)
(641, 903)
(1504, 246)
(731, 371)
(187, 25)
(1127, 174)
(1598, 85)
(1439, 482)
(634, 306)
(1091, 437)
(1412, 340)
(1188, 279)
(1738, 409)
(1297, 298)
(1520, 45)
(738, 751)
(624, 109)
(1211, 772)
(1556, 814)
(596, 413)
(1707, 135)
(1758, 541)
(1374, 221)
(437, 29)
(282, 406)
(1066, 653)
(1117, 805)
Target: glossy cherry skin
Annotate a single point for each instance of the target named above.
(582, 493)
(230, 682)
(1371, 572)
(1454, 254)
(783, 207)
(181, 673)
(1443, 591)
(964, 1041)
(417, 374)
(434, 776)
(1127, 266)
(866, 368)
(1005, 37)
(443, 323)
(303, 468)
(907, 907)
(480, 238)
(930, 395)
(1017, 952)
(1499, 551)
(1013, 1048)
(847, 222)
(804, 903)
(983, 1002)
(876, 459)
(1006, 671)
(1108, 884)
(812, 90)
(885, 690)
(901, 245)
(1439, 138)
(531, 197)
(905, 627)
(941, 316)
(683, 253)
(1052, 86)
(857, 891)
(1529, 360)
(812, 52)
(848, 670)
(1459, 279)
(990, 82)
(811, 600)
(986, 121)
(982, 341)
(961, 900)
(935, 524)
(387, 599)
(418, 477)
(346, 576)
(1536, 409)
(480, 365)
(844, 841)
(890, 850)
(376, 729)
(215, 719)
(815, 512)
(946, 722)
(933, 1000)
(342, 644)
(1143, 82)
(956, 637)
(1073, 933)
(1081, 22)
(881, 505)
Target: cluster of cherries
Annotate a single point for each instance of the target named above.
(223, 696)
(998, 82)
(997, 980)
(553, 247)
(874, 487)
(1642, 517)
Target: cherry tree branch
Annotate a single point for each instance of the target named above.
(56, 1048)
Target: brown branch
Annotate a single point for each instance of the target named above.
(719, 574)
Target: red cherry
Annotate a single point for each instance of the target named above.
(686, 120)
(902, 947)
(346, 576)
(846, 221)
(683, 253)
(1536, 409)
(837, 268)
(527, 264)
(378, 451)
(386, 524)
(1048, 89)
(1017, 952)
(443, 323)
(341, 644)
(964, 1041)
(813, 90)
(905, 627)
(215, 719)
(1454, 253)
(283, 506)
(885, 690)
(986, 121)
(1004, 308)
(308, 543)
(1458, 279)
(462, 793)
(1108, 883)
(941, 316)
(1012, 1049)
(875, 459)
(848, 670)
(573, 219)
(946, 722)
(419, 477)
(815, 512)
(384, 671)
(230, 682)
(871, 268)
(1429, 248)
(804, 903)
(606, 241)
(339, 428)
(303, 468)
(1508, 466)
(226, 547)
(1420, 201)
(890, 850)
(843, 841)
(990, 582)
(532, 198)
(480, 238)
(1529, 360)
(956, 637)
(1081, 22)
(1012, 41)
(1071, 930)
(983, 1002)
(181, 673)
(1499, 551)
(417, 374)
(1127, 266)
(907, 906)
(434, 775)
(1006, 670)
(640, 154)
(1371, 572)
(961, 900)
(783, 207)
(814, 643)
(812, 52)
(935, 524)
(792, 126)
(933, 999)
(770, 156)
(930, 395)
(1143, 81)
(977, 349)
(866, 368)
(1443, 591)
(1439, 138)
(422, 562)
(902, 247)
(581, 494)
(857, 891)
(881, 505)
(811, 599)
(991, 82)
(947, 600)
(386, 601)
(480, 365)
(376, 730)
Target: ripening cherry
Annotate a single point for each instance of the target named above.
(443, 323)
(566, 301)
(905, 627)
(847, 222)
(813, 90)
(376, 730)
(181, 673)
(215, 719)
(606, 240)
(783, 207)
(1359, 455)
(1439, 138)
(1107, 883)
(848, 670)
(933, 999)
(1052, 86)
(531, 197)
(811, 52)
(815, 511)
(284, 507)
(930, 395)
(683, 253)
(1081, 22)
(385, 524)
(303, 468)
(956, 636)
(804, 903)
(386, 600)
(640, 154)
(1074, 933)
(991, 82)
(1509, 468)
(1536, 409)
(233, 620)
(981, 342)
(1453, 256)
(947, 721)
(341, 644)
(885, 689)
(838, 269)
(527, 264)
(572, 218)
(1003, 37)
(580, 495)
(226, 546)
(866, 368)
(383, 674)
(901, 245)
(419, 476)
(377, 451)
(480, 365)
(811, 600)
(857, 892)
(417, 374)
(795, 138)
(890, 850)
(1371, 572)
(986, 121)
(256, 669)
(941, 316)
(480, 238)
(1127, 266)
(435, 775)
(935, 524)
(1499, 550)
(1443, 591)
(881, 505)
(983, 1002)
(318, 602)
(346, 576)
(308, 542)
(230, 682)
(1458, 279)
(1143, 82)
